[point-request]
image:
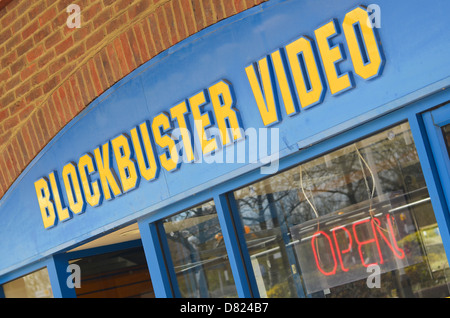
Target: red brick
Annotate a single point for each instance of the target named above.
(95, 79)
(239, 5)
(162, 27)
(75, 53)
(219, 9)
(4, 113)
(50, 84)
(115, 65)
(102, 18)
(179, 20)
(5, 35)
(59, 107)
(137, 8)
(209, 13)
(10, 123)
(22, 147)
(25, 47)
(148, 38)
(46, 59)
(103, 56)
(95, 39)
(134, 47)
(8, 18)
(42, 33)
(7, 99)
(169, 18)
(13, 82)
(82, 87)
(88, 14)
(29, 30)
(53, 39)
(5, 75)
(34, 94)
(18, 65)
(47, 16)
(64, 45)
(100, 72)
(39, 77)
(40, 120)
(90, 92)
(198, 15)
(19, 23)
(229, 8)
(24, 113)
(128, 55)
(14, 41)
(35, 53)
(58, 64)
(141, 43)
(22, 89)
(28, 71)
(122, 5)
(76, 94)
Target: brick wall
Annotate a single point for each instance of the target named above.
(49, 72)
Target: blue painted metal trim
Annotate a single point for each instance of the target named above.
(430, 171)
(434, 121)
(231, 231)
(57, 272)
(154, 254)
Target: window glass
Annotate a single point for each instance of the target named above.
(446, 132)
(34, 285)
(198, 253)
(119, 274)
(356, 222)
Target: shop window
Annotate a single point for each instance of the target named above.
(356, 222)
(198, 253)
(120, 274)
(34, 285)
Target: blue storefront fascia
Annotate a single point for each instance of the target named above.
(381, 108)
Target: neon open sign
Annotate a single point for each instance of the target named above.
(338, 250)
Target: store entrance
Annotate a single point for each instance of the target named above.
(113, 266)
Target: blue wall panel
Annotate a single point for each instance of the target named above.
(415, 44)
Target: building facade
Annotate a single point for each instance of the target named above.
(177, 148)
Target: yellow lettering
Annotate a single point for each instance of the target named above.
(73, 189)
(202, 121)
(265, 98)
(305, 71)
(147, 164)
(169, 163)
(330, 56)
(179, 112)
(108, 177)
(362, 44)
(45, 203)
(283, 83)
(125, 163)
(225, 112)
(91, 189)
(63, 213)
